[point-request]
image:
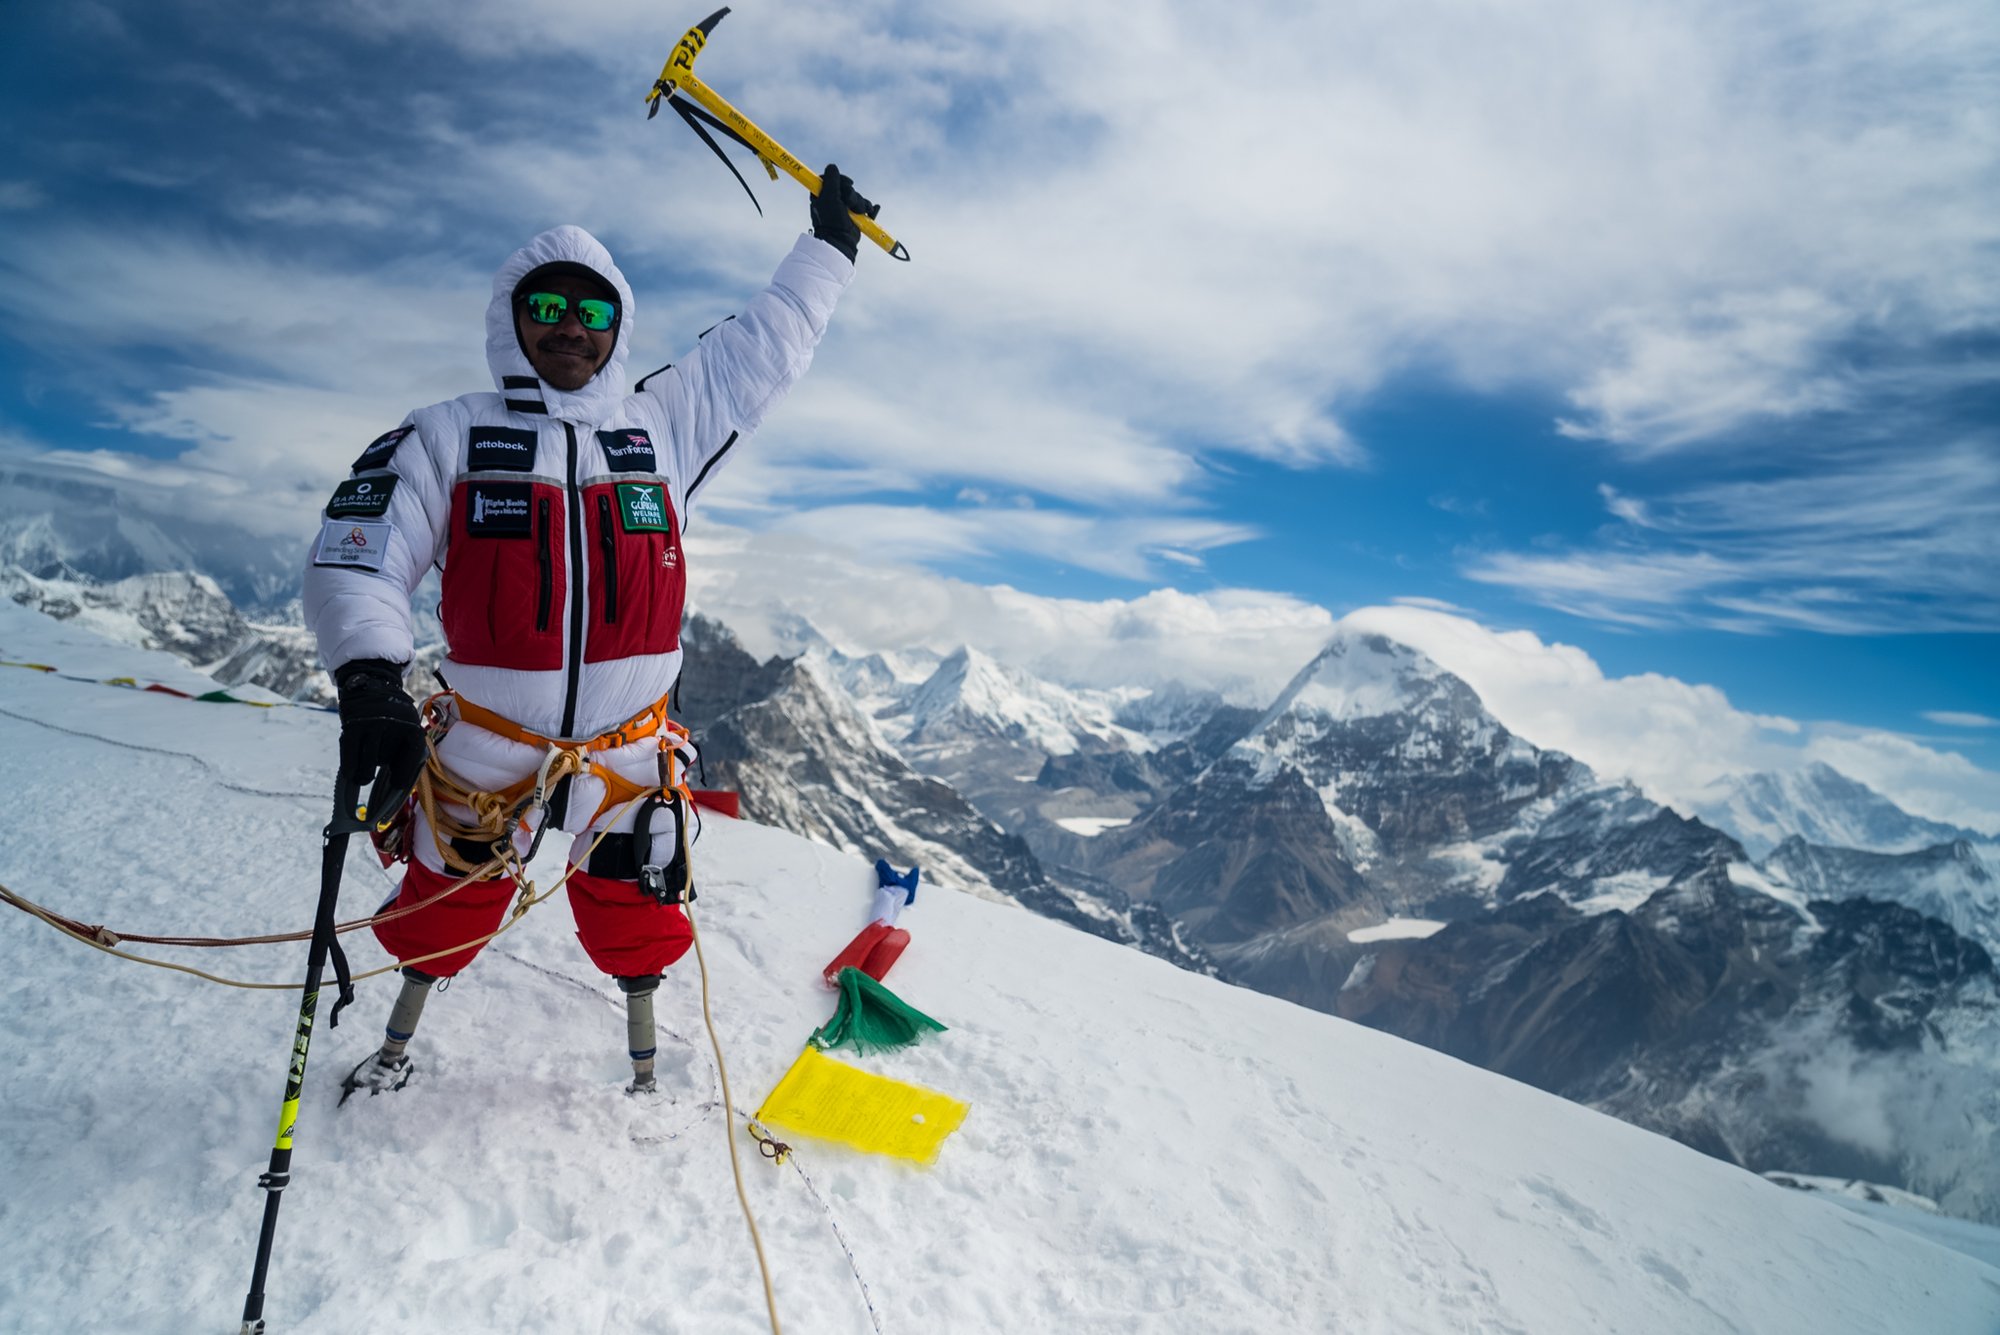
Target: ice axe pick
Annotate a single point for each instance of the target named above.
(677, 76)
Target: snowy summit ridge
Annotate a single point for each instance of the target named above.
(1125, 1115)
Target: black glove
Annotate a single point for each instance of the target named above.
(381, 737)
(837, 198)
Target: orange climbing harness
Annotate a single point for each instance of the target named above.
(496, 815)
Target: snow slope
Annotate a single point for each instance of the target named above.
(1148, 1150)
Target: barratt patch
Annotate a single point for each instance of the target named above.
(381, 450)
(362, 497)
(358, 546)
(499, 510)
(628, 451)
(500, 449)
(642, 506)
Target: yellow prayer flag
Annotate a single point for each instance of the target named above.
(823, 1097)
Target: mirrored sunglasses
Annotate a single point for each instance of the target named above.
(550, 307)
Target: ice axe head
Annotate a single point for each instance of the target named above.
(682, 60)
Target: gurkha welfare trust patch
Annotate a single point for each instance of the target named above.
(345, 543)
(643, 506)
(362, 497)
(381, 450)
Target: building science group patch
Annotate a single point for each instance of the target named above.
(642, 507)
(362, 497)
(356, 546)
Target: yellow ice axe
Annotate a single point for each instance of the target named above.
(677, 76)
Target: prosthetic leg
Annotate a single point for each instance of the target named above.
(641, 1035)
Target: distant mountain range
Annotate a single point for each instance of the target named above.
(1821, 805)
(1797, 976)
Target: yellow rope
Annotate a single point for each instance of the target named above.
(729, 1129)
(529, 898)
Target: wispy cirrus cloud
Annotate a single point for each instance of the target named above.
(1888, 542)
(1952, 718)
(1661, 216)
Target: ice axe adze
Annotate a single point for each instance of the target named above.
(677, 76)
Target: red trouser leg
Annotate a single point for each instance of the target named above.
(467, 914)
(625, 933)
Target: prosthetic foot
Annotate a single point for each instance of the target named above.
(389, 1068)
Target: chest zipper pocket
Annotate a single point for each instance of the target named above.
(607, 543)
(548, 585)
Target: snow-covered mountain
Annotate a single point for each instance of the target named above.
(186, 615)
(972, 701)
(806, 760)
(1950, 882)
(63, 524)
(1131, 1124)
(1849, 1038)
(1819, 804)
(1379, 783)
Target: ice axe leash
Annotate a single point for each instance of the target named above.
(350, 816)
(677, 77)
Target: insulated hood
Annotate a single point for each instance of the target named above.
(512, 373)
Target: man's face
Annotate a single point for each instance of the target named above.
(565, 354)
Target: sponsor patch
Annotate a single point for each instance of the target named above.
(343, 542)
(381, 450)
(499, 510)
(362, 497)
(628, 451)
(643, 507)
(500, 449)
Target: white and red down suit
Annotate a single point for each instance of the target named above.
(556, 517)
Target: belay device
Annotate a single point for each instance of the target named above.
(677, 79)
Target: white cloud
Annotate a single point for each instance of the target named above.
(1952, 718)
(1245, 642)
(20, 196)
(1739, 358)
(1659, 210)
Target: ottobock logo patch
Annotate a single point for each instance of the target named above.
(362, 497)
(381, 450)
(499, 510)
(500, 449)
(628, 451)
(643, 507)
(359, 546)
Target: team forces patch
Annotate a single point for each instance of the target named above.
(381, 450)
(643, 507)
(362, 497)
(628, 451)
(499, 510)
(500, 449)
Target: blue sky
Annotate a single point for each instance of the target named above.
(1666, 333)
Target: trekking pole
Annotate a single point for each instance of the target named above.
(677, 76)
(349, 817)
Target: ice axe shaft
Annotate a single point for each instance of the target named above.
(677, 76)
